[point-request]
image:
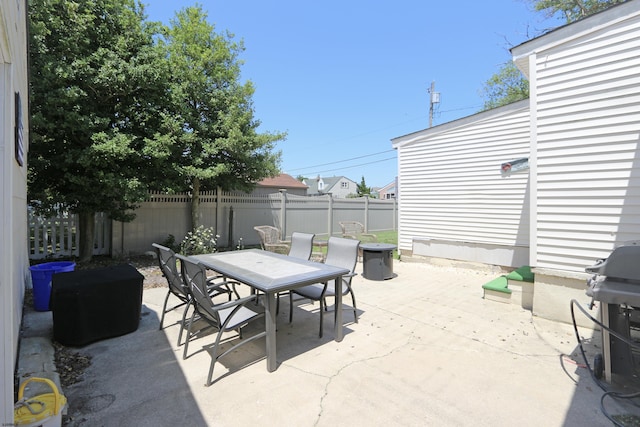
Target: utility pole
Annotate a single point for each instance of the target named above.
(434, 98)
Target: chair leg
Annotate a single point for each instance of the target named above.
(214, 358)
(235, 291)
(355, 312)
(186, 343)
(322, 305)
(164, 309)
(184, 319)
(290, 306)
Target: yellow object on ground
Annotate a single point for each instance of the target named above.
(41, 410)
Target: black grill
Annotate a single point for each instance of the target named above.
(616, 286)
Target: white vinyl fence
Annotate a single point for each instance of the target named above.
(58, 237)
(232, 214)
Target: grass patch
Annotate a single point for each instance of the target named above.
(389, 236)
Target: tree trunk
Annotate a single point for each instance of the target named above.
(195, 204)
(86, 224)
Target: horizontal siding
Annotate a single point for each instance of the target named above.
(588, 129)
(451, 186)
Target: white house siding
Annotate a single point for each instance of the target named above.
(14, 261)
(454, 202)
(587, 93)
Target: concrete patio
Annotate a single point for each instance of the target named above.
(427, 350)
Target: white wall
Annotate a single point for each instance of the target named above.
(14, 261)
(454, 201)
(585, 84)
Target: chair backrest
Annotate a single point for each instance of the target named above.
(342, 252)
(195, 276)
(355, 230)
(301, 245)
(168, 265)
(351, 228)
(268, 235)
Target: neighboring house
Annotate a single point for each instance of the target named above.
(14, 146)
(579, 135)
(339, 187)
(281, 182)
(388, 191)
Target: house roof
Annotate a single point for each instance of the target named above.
(329, 182)
(389, 187)
(281, 181)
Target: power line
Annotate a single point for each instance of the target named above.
(351, 167)
(342, 161)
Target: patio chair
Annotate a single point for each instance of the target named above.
(355, 230)
(301, 247)
(169, 268)
(340, 253)
(224, 317)
(270, 239)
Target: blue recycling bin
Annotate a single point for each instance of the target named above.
(41, 275)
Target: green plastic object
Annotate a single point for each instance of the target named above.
(522, 274)
(498, 285)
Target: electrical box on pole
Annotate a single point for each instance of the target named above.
(434, 98)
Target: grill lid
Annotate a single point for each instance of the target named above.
(623, 263)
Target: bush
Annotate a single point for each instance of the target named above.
(200, 241)
(170, 242)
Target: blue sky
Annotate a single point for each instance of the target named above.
(343, 78)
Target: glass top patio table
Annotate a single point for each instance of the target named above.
(271, 273)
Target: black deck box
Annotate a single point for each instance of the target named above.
(90, 305)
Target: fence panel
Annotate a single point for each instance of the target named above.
(232, 215)
(58, 237)
(307, 215)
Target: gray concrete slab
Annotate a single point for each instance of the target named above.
(427, 350)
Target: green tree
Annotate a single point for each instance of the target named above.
(96, 81)
(212, 139)
(508, 84)
(362, 188)
(573, 10)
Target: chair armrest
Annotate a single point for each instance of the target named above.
(236, 302)
(344, 276)
(277, 247)
(372, 237)
(211, 281)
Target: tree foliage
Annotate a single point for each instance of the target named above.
(96, 79)
(508, 84)
(121, 106)
(211, 133)
(362, 188)
(573, 10)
